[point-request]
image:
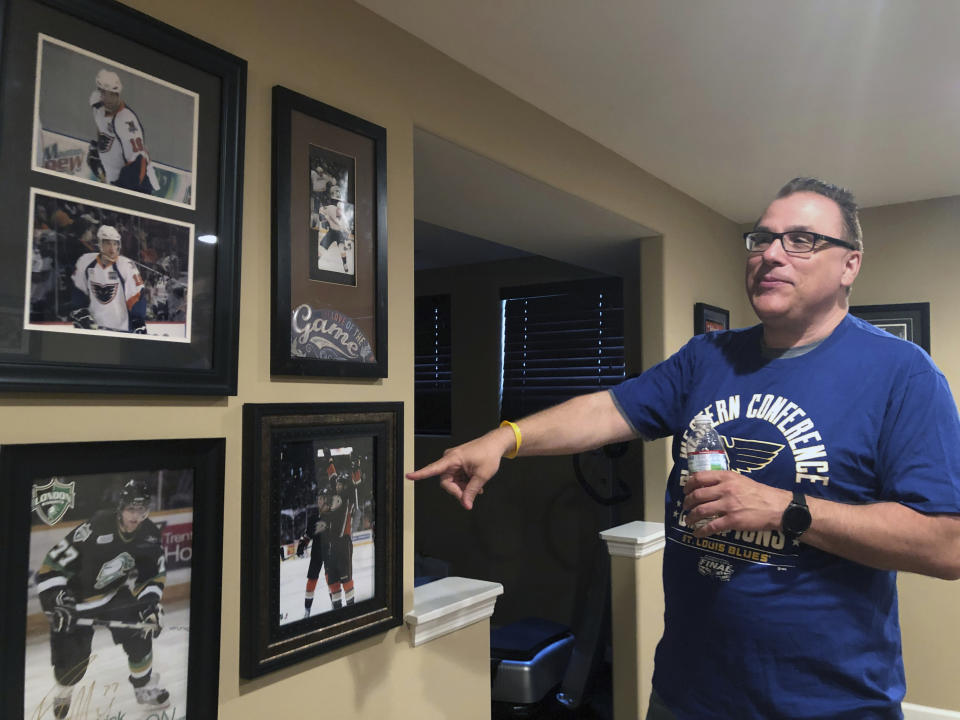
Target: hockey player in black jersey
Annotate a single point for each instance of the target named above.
(109, 572)
(332, 547)
(339, 519)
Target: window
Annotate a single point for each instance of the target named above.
(432, 365)
(559, 340)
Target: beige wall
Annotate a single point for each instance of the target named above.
(338, 52)
(912, 255)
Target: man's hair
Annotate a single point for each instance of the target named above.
(841, 196)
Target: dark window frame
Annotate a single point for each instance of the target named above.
(559, 340)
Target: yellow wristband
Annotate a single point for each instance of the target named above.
(516, 435)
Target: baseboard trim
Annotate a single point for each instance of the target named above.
(921, 712)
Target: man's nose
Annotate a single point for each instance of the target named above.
(775, 252)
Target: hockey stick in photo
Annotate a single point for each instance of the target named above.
(120, 625)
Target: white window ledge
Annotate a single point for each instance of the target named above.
(635, 539)
(449, 604)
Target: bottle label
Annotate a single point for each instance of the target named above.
(707, 460)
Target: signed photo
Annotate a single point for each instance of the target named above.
(108, 610)
(100, 122)
(100, 270)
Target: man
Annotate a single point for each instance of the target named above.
(845, 451)
(107, 288)
(318, 538)
(119, 154)
(108, 571)
(333, 246)
(332, 537)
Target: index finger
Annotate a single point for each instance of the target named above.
(437, 467)
(701, 479)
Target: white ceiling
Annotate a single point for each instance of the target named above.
(727, 99)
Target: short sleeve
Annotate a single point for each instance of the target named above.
(919, 447)
(652, 403)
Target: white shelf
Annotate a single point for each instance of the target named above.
(449, 604)
(635, 539)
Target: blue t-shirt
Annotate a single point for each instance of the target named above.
(757, 626)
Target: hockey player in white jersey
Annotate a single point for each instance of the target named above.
(119, 154)
(107, 289)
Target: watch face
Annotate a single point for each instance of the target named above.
(796, 519)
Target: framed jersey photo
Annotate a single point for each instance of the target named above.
(121, 155)
(322, 521)
(116, 550)
(329, 280)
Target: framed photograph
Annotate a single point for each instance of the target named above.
(116, 550)
(322, 528)
(123, 102)
(329, 274)
(908, 321)
(121, 151)
(709, 318)
(121, 297)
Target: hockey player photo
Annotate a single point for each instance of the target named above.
(95, 269)
(108, 597)
(327, 543)
(332, 231)
(102, 122)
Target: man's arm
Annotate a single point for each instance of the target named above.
(576, 425)
(884, 535)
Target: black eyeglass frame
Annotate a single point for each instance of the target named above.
(779, 236)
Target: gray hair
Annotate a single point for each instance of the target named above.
(841, 196)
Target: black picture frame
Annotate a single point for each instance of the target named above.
(709, 318)
(908, 321)
(329, 308)
(187, 512)
(295, 458)
(55, 207)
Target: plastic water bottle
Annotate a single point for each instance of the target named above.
(705, 451)
(704, 447)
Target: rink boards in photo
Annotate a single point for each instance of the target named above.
(293, 581)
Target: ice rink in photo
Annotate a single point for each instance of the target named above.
(105, 691)
(293, 577)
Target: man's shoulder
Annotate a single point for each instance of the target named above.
(884, 346)
(126, 115)
(86, 259)
(125, 264)
(149, 532)
(736, 340)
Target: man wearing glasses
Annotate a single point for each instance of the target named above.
(844, 448)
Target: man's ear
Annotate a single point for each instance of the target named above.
(851, 267)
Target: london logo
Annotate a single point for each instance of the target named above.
(52, 500)
(327, 335)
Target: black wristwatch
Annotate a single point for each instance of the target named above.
(796, 518)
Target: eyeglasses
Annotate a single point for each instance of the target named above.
(795, 242)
